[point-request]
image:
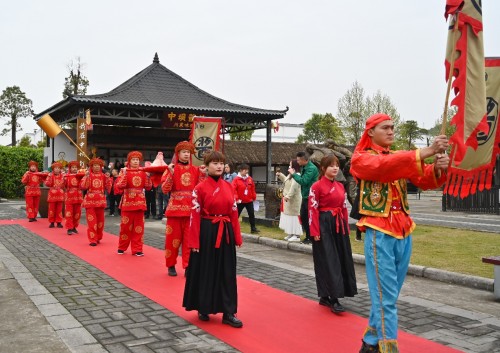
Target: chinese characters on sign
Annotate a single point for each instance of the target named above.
(177, 120)
(81, 141)
(205, 135)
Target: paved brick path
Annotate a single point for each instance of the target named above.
(121, 320)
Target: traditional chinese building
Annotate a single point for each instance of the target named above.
(151, 111)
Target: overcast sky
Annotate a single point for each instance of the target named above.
(267, 54)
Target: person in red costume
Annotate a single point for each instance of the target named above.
(332, 254)
(55, 198)
(95, 182)
(73, 198)
(32, 190)
(179, 179)
(213, 236)
(382, 175)
(132, 181)
(244, 188)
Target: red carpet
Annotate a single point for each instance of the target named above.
(274, 321)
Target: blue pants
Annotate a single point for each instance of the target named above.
(387, 260)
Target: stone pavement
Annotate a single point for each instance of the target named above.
(50, 298)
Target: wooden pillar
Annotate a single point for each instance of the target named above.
(269, 172)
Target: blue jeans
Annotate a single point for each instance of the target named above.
(387, 260)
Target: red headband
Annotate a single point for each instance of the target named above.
(365, 141)
(184, 145)
(134, 154)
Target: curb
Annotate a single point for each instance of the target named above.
(414, 270)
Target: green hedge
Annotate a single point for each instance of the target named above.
(13, 165)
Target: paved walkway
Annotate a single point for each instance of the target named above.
(50, 298)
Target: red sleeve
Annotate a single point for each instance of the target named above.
(85, 183)
(168, 181)
(236, 186)
(254, 192)
(108, 183)
(195, 220)
(429, 180)
(201, 175)
(25, 178)
(313, 209)
(121, 182)
(50, 181)
(386, 167)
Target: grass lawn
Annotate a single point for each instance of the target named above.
(454, 250)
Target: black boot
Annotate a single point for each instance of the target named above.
(231, 320)
(368, 348)
(51, 225)
(59, 225)
(171, 271)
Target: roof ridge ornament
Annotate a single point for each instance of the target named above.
(156, 60)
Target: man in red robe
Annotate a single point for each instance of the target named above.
(73, 198)
(179, 179)
(385, 216)
(95, 182)
(132, 181)
(32, 190)
(55, 198)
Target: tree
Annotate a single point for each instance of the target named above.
(241, 135)
(321, 127)
(25, 141)
(381, 103)
(76, 83)
(352, 113)
(42, 143)
(409, 133)
(14, 105)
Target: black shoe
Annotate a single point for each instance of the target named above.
(120, 252)
(93, 244)
(203, 317)
(139, 254)
(231, 320)
(337, 307)
(59, 225)
(146, 216)
(69, 232)
(254, 231)
(35, 220)
(171, 271)
(325, 301)
(307, 241)
(51, 225)
(74, 231)
(368, 348)
(32, 220)
(159, 218)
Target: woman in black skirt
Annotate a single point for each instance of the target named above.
(333, 264)
(213, 236)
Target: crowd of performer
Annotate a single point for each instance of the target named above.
(206, 201)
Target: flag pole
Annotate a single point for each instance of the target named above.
(450, 75)
(73, 142)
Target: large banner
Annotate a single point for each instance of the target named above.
(205, 135)
(465, 52)
(81, 141)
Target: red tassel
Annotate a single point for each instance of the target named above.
(482, 180)
(475, 180)
(458, 184)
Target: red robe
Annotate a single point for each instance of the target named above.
(180, 185)
(32, 192)
(244, 189)
(133, 205)
(55, 197)
(326, 195)
(73, 200)
(95, 203)
(213, 198)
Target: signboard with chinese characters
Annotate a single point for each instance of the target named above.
(81, 141)
(177, 120)
(205, 135)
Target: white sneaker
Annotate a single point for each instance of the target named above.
(288, 237)
(294, 238)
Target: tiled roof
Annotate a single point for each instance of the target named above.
(158, 87)
(254, 152)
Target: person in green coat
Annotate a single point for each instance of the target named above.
(306, 178)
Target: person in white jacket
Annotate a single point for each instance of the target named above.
(290, 205)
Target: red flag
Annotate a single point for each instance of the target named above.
(470, 93)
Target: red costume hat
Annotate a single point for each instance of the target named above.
(134, 154)
(56, 164)
(96, 161)
(184, 145)
(365, 141)
(73, 163)
(30, 163)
